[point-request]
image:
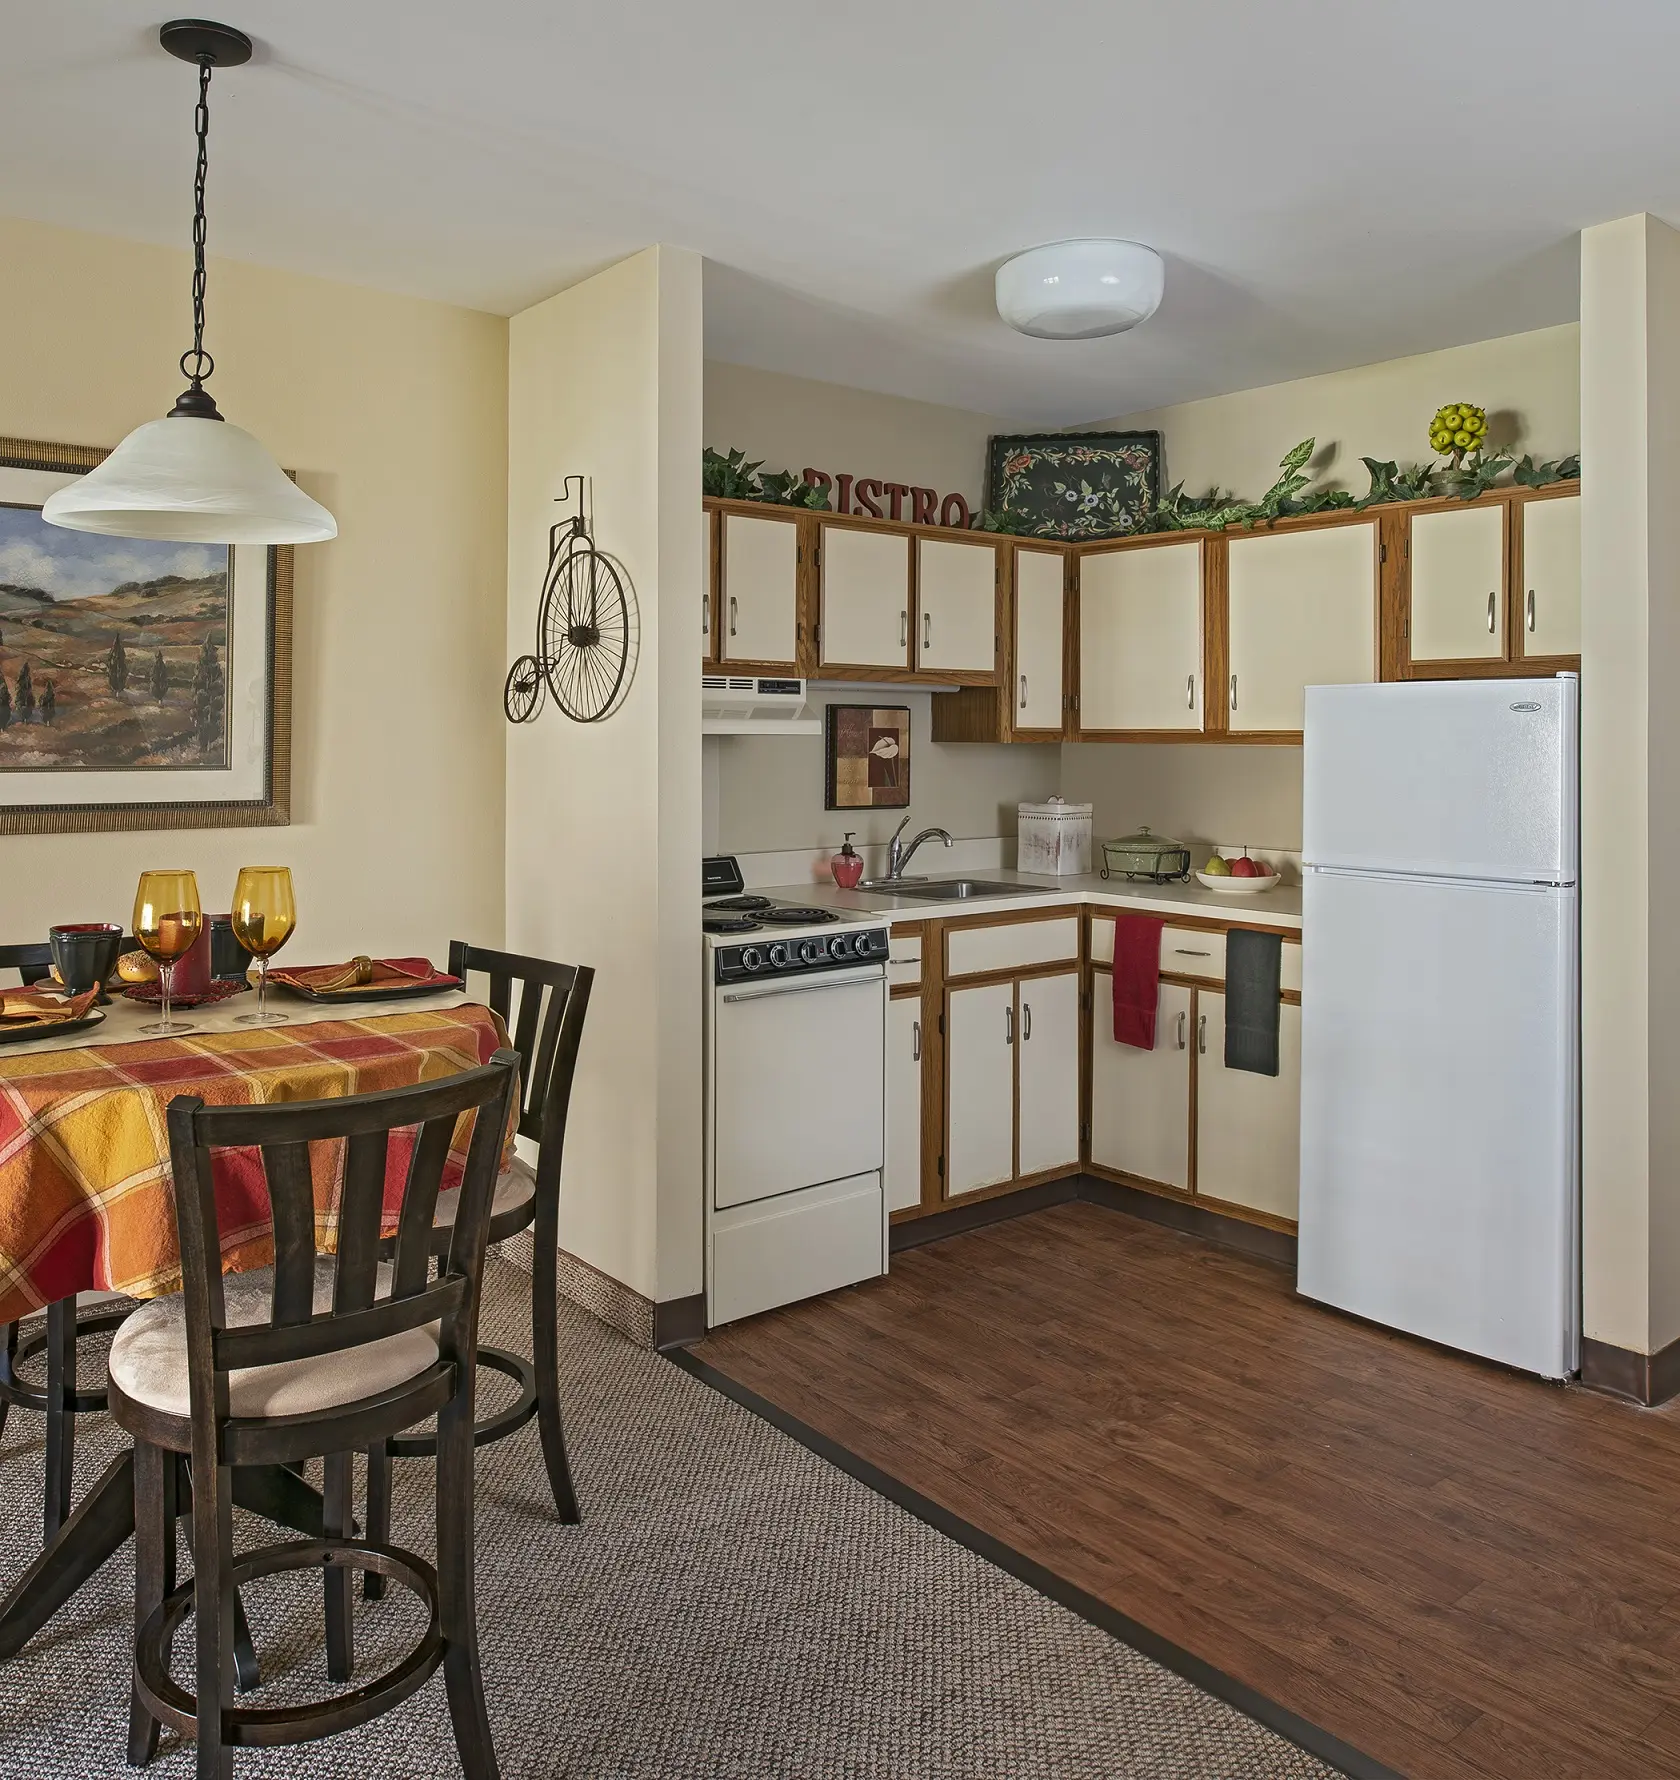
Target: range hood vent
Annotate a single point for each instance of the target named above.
(746, 704)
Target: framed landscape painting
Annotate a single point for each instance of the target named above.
(1073, 485)
(142, 684)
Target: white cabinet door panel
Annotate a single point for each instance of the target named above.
(1303, 609)
(865, 598)
(1458, 580)
(1551, 590)
(1140, 638)
(904, 1102)
(760, 589)
(1039, 665)
(1140, 1100)
(1248, 1127)
(980, 1074)
(1048, 1040)
(956, 594)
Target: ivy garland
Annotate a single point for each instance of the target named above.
(730, 477)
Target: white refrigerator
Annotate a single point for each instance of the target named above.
(1440, 1013)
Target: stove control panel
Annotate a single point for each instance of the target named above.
(766, 957)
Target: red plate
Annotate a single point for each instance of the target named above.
(152, 993)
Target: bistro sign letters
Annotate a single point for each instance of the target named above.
(862, 497)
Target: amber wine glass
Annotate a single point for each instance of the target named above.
(264, 915)
(168, 919)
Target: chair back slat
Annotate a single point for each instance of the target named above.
(525, 1030)
(419, 1207)
(291, 1198)
(284, 1133)
(361, 1210)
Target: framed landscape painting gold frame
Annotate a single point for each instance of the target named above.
(142, 684)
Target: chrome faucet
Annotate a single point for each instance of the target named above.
(898, 854)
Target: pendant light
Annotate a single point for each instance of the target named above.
(192, 477)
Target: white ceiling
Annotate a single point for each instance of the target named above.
(1331, 183)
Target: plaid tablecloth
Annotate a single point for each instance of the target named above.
(86, 1197)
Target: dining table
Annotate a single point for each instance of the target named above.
(87, 1198)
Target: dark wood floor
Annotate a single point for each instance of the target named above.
(1458, 1571)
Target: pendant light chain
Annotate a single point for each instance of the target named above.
(196, 363)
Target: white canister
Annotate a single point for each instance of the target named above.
(1053, 838)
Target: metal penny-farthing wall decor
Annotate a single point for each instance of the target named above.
(587, 630)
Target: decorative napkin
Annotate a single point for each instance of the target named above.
(39, 1007)
(363, 974)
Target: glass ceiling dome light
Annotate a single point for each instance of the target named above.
(191, 477)
(1079, 290)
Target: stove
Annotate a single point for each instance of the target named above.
(729, 909)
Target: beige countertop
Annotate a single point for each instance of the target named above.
(1273, 908)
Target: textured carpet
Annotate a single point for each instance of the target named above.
(733, 1607)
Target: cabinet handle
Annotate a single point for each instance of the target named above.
(904, 629)
(1182, 1021)
(915, 1041)
(1009, 1025)
(1187, 952)
(705, 614)
(1026, 1021)
(1531, 608)
(1493, 600)
(732, 614)
(1190, 692)
(1201, 1035)
(1233, 692)
(927, 630)
(1023, 692)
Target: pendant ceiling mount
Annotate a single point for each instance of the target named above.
(191, 477)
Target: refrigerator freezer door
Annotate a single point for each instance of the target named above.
(1438, 1113)
(1454, 778)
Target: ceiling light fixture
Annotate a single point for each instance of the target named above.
(193, 477)
(1078, 290)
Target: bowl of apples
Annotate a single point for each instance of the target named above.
(1241, 876)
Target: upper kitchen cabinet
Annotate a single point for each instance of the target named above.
(1455, 571)
(1302, 611)
(957, 606)
(1140, 639)
(864, 600)
(757, 608)
(708, 586)
(1547, 579)
(1037, 695)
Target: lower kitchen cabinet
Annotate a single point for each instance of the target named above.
(980, 1087)
(1248, 1127)
(1047, 1066)
(1140, 1100)
(904, 1102)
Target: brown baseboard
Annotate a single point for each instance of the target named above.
(1645, 1379)
(678, 1321)
(1258, 1240)
(981, 1212)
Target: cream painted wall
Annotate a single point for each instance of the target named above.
(1221, 793)
(603, 833)
(393, 412)
(794, 422)
(1529, 383)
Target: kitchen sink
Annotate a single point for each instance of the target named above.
(951, 889)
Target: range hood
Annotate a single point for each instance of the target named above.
(746, 704)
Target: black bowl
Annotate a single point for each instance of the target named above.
(85, 953)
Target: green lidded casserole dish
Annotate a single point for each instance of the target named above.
(1145, 855)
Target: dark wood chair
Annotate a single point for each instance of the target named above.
(547, 1028)
(317, 1356)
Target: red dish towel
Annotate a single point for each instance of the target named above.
(1137, 970)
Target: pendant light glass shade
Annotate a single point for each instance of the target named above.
(191, 481)
(1080, 290)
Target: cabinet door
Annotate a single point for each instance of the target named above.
(708, 585)
(1303, 612)
(1140, 1100)
(1457, 561)
(1551, 578)
(1140, 638)
(865, 598)
(760, 608)
(956, 600)
(1047, 1010)
(1248, 1127)
(904, 1102)
(1039, 667)
(980, 1087)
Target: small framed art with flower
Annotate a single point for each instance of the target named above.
(1072, 485)
(867, 748)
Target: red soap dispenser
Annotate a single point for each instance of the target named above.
(847, 864)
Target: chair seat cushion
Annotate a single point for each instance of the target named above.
(148, 1361)
(516, 1190)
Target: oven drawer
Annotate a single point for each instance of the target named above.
(795, 1247)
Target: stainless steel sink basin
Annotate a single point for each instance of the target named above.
(950, 889)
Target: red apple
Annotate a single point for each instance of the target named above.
(1244, 868)
(1263, 870)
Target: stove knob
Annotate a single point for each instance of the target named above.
(810, 951)
(839, 946)
(779, 955)
(751, 958)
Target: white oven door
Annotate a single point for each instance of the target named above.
(799, 1083)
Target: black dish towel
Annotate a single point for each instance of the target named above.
(1253, 974)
